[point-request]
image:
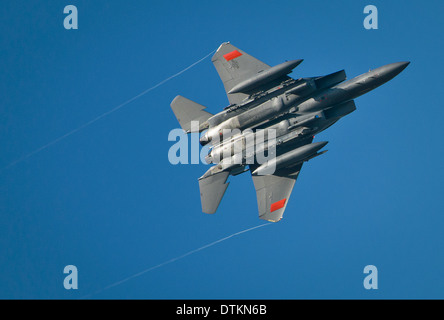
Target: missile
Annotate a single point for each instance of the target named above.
(291, 157)
(265, 76)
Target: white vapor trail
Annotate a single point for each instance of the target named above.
(174, 259)
(102, 115)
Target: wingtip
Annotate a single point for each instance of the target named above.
(222, 44)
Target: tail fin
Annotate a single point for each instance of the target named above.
(186, 111)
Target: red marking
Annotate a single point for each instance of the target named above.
(232, 55)
(277, 205)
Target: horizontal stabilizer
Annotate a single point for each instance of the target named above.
(212, 189)
(186, 111)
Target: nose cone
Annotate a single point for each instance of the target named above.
(391, 70)
(402, 65)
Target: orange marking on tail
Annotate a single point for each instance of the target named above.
(232, 55)
(277, 205)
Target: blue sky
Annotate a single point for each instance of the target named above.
(107, 200)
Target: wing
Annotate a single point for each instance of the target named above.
(273, 192)
(234, 66)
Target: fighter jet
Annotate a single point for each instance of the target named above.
(287, 112)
